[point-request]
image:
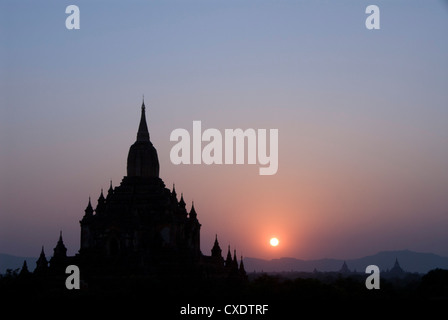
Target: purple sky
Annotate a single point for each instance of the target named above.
(362, 118)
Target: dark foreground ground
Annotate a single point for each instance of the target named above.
(262, 297)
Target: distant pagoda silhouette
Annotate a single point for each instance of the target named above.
(344, 269)
(140, 227)
(396, 270)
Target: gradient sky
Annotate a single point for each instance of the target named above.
(362, 118)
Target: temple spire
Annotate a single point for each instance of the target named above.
(181, 201)
(174, 195)
(143, 133)
(89, 209)
(60, 248)
(110, 192)
(217, 252)
(41, 263)
(142, 157)
(193, 214)
(228, 258)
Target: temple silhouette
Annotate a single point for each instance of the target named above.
(141, 228)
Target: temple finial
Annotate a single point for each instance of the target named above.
(143, 133)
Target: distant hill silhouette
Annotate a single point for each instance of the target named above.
(8, 261)
(410, 261)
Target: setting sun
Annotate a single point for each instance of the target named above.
(274, 242)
